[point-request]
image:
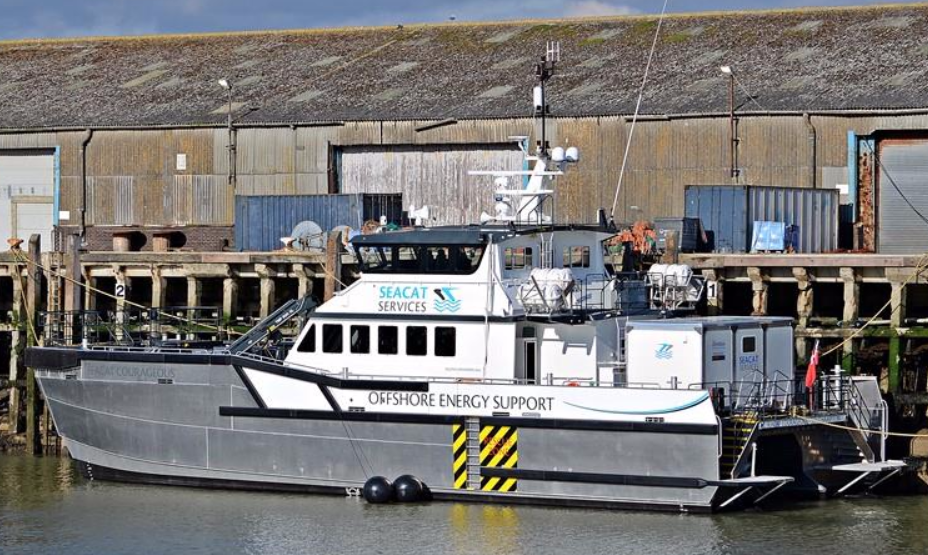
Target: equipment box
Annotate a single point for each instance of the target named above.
(730, 353)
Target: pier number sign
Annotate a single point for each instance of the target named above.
(120, 291)
(712, 290)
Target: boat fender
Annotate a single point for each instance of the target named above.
(377, 489)
(408, 489)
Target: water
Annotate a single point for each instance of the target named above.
(46, 508)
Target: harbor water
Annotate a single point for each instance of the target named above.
(46, 507)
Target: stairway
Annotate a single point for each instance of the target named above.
(845, 450)
(736, 434)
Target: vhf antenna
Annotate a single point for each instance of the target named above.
(543, 71)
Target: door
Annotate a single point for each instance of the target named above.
(749, 369)
(903, 196)
(530, 359)
(33, 215)
(429, 175)
(27, 189)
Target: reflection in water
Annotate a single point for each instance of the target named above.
(45, 507)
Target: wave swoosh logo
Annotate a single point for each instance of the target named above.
(667, 410)
(445, 300)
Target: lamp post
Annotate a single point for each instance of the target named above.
(225, 84)
(733, 147)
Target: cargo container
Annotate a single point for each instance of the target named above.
(260, 221)
(729, 212)
(734, 354)
(687, 230)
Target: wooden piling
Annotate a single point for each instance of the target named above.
(33, 301)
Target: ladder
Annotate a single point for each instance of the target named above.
(736, 436)
(547, 251)
(55, 325)
(472, 428)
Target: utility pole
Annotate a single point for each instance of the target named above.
(230, 146)
(735, 172)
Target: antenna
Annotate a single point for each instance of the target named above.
(544, 71)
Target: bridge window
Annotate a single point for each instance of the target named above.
(417, 339)
(748, 344)
(420, 259)
(360, 339)
(576, 257)
(308, 344)
(332, 338)
(387, 340)
(445, 341)
(518, 258)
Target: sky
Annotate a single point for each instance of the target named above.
(70, 18)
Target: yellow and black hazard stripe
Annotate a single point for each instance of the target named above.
(499, 448)
(459, 455)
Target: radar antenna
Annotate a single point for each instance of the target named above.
(544, 70)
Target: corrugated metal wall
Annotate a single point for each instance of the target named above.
(260, 222)
(666, 156)
(430, 175)
(729, 212)
(903, 196)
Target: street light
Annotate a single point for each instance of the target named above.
(726, 70)
(225, 84)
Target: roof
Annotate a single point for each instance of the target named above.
(425, 236)
(707, 322)
(821, 59)
(464, 234)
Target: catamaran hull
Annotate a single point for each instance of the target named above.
(200, 424)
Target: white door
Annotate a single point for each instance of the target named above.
(33, 215)
(27, 189)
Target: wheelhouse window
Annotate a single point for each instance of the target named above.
(360, 339)
(332, 338)
(308, 344)
(518, 258)
(417, 340)
(420, 259)
(445, 341)
(387, 340)
(748, 344)
(576, 257)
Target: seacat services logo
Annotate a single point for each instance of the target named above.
(445, 301)
(664, 351)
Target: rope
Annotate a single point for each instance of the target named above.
(631, 133)
(856, 429)
(23, 258)
(922, 264)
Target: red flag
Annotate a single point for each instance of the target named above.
(813, 366)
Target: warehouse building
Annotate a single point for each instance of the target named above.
(114, 135)
(133, 142)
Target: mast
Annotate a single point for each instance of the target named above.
(544, 70)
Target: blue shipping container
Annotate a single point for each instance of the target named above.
(729, 212)
(260, 221)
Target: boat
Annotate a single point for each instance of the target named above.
(503, 361)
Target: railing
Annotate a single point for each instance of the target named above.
(783, 396)
(625, 293)
(778, 396)
(132, 326)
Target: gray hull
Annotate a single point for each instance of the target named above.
(161, 422)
